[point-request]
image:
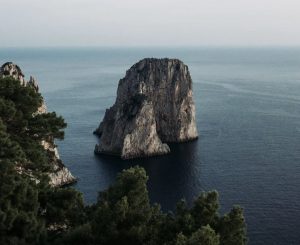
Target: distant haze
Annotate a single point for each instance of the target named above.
(149, 22)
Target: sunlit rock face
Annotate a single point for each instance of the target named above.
(12, 70)
(154, 106)
(60, 175)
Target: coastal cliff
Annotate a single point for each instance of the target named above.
(154, 106)
(60, 175)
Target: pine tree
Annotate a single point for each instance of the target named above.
(233, 228)
(18, 107)
(19, 208)
(204, 236)
(124, 210)
(205, 209)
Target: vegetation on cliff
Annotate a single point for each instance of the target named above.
(18, 105)
(28, 205)
(33, 212)
(24, 129)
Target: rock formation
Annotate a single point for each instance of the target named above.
(60, 175)
(154, 106)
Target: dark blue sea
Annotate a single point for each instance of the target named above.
(248, 117)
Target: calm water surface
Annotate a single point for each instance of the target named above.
(248, 116)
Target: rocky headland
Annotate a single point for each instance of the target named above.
(60, 175)
(154, 106)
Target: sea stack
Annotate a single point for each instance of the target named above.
(60, 175)
(154, 106)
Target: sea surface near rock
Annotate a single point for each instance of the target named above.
(60, 175)
(154, 106)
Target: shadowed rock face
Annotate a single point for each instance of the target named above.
(60, 175)
(154, 105)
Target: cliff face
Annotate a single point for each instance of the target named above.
(60, 175)
(154, 105)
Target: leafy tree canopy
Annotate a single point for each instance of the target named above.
(124, 215)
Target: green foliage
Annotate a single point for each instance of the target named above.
(19, 208)
(123, 215)
(233, 227)
(25, 99)
(23, 127)
(64, 206)
(205, 235)
(46, 125)
(9, 150)
(28, 205)
(78, 236)
(123, 211)
(205, 210)
(180, 239)
(183, 219)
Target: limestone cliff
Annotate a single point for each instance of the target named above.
(154, 106)
(60, 175)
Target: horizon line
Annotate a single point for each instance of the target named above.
(145, 46)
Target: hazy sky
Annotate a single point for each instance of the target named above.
(149, 23)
